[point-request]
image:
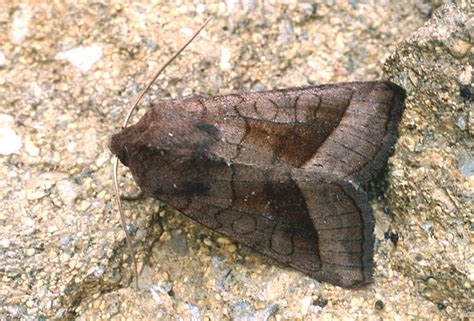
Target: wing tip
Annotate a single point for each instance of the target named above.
(375, 167)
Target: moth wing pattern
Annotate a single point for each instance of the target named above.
(345, 129)
(283, 220)
(280, 171)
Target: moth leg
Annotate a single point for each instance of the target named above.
(140, 195)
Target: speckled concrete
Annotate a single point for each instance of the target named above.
(432, 176)
(68, 73)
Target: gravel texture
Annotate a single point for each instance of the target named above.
(432, 177)
(68, 73)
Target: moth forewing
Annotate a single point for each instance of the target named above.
(281, 173)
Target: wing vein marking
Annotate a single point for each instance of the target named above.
(260, 215)
(359, 137)
(338, 159)
(344, 265)
(295, 110)
(340, 228)
(277, 109)
(358, 112)
(341, 252)
(369, 127)
(350, 149)
(340, 214)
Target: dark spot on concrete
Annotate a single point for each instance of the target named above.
(321, 302)
(465, 92)
(392, 236)
(379, 305)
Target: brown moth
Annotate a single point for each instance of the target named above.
(281, 171)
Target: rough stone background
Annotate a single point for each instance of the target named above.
(432, 176)
(68, 73)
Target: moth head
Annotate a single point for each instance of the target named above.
(168, 133)
(118, 144)
(119, 147)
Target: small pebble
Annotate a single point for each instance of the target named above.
(379, 305)
(321, 302)
(460, 48)
(461, 123)
(465, 77)
(305, 304)
(200, 8)
(31, 148)
(10, 142)
(83, 58)
(67, 192)
(20, 25)
(5, 243)
(225, 59)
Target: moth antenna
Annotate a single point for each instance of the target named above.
(125, 123)
(158, 73)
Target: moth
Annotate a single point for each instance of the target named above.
(281, 171)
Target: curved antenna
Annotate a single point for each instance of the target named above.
(176, 54)
(125, 123)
